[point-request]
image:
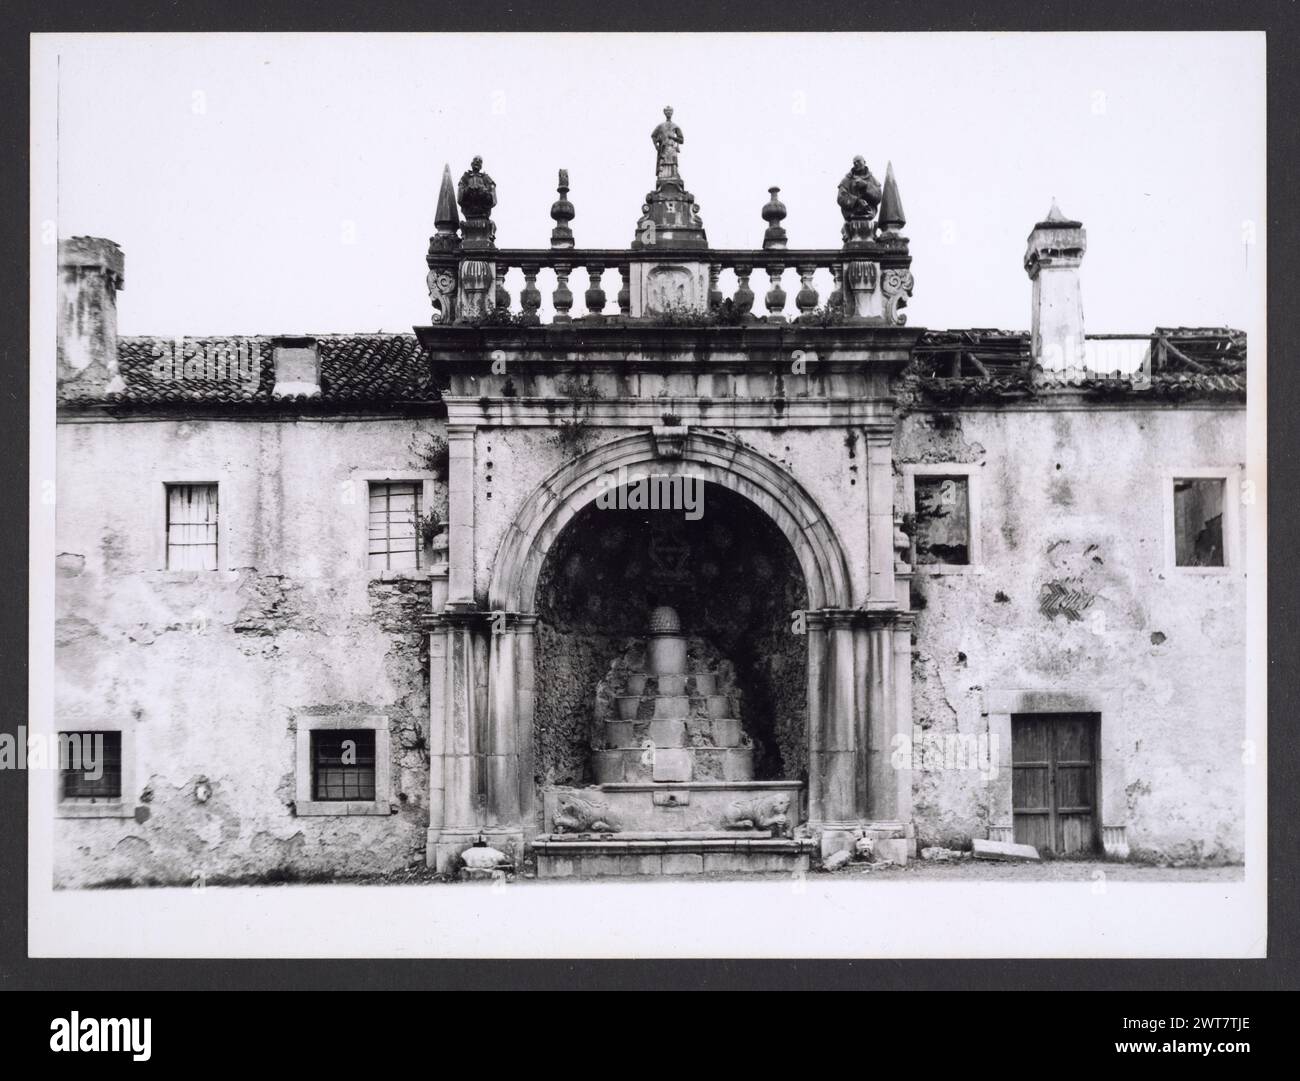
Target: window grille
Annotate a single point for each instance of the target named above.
(343, 764)
(81, 756)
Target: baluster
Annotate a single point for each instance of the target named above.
(836, 301)
(502, 297)
(775, 298)
(806, 298)
(530, 298)
(562, 298)
(595, 295)
(744, 299)
(625, 290)
(715, 294)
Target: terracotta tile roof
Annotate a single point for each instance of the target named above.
(392, 370)
(356, 370)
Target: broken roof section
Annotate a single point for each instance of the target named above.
(955, 366)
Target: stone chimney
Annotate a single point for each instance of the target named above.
(1052, 261)
(90, 274)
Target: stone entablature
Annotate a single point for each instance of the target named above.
(751, 376)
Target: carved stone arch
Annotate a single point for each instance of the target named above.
(711, 457)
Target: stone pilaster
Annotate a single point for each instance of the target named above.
(880, 517)
(859, 703)
(904, 623)
(460, 515)
(480, 768)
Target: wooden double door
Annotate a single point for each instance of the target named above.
(1054, 782)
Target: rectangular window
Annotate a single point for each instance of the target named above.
(395, 509)
(343, 764)
(942, 509)
(192, 527)
(90, 765)
(1198, 522)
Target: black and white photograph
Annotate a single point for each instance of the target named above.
(611, 495)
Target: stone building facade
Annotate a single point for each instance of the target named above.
(342, 605)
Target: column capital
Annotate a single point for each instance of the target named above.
(473, 618)
(871, 618)
(879, 432)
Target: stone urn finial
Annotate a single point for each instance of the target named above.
(774, 213)
(664, 620)
(563, 213)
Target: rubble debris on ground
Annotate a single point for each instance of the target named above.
(1003, 850)
(941, 855)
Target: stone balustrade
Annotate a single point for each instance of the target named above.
(669, 275)
(816, 274)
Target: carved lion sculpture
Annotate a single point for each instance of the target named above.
(761, 813)
(574, 814)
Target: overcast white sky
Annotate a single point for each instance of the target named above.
(286, 183)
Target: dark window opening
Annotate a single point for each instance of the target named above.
(90, 765)
(1198, 522)
(942, 512)
(343, 764)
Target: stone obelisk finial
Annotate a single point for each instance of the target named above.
(891, 206)
(445, 219)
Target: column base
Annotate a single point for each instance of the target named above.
(442, 848)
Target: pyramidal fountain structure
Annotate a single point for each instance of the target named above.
(675, 791)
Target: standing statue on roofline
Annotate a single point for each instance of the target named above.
(859, 192)
(668, 139)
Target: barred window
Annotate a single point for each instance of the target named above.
(90, 765)
(395, 509)
(343, 764)
(192, 527)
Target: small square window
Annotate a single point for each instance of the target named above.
(192, 527)
(395, 511)
(343, 764)
(1198, 522)
(90, 766)
(942, 509)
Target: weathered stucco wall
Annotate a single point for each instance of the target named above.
(212, 671)
(1077, 498)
